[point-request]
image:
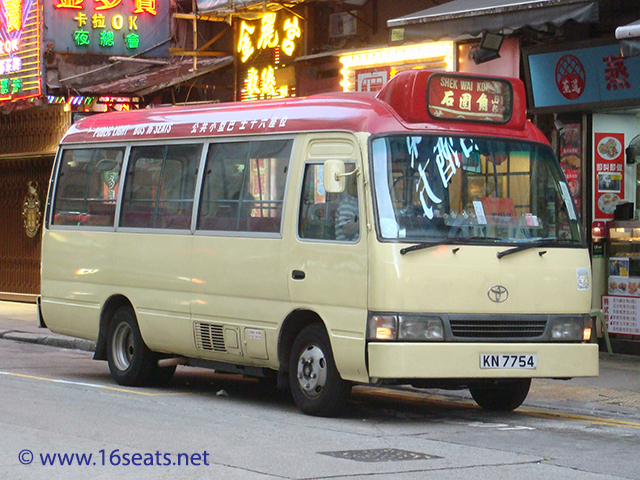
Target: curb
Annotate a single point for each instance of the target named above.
(49, 340)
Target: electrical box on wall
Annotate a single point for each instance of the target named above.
(343, 24)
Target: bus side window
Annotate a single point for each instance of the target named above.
(244, 186)
(326, 216)
(87, 187)
(160, 186)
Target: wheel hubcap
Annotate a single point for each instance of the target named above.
(123, 348)
(312, 371)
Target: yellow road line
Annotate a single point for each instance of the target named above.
(420, 398)
(91, 385)
(579, 418)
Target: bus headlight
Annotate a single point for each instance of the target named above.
(405, 328)
(421, 328)
(571, 329)
(382, 327)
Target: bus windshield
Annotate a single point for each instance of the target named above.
(487, 191)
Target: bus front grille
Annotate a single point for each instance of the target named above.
(209, 337)
(504, 329)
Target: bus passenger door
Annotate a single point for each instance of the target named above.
(328, 260)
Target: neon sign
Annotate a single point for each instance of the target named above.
(264, 46)
(268, 35)
(79, 103)
(19, 50)
(112, 27)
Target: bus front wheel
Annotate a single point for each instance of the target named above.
(131, 363)
(500, 395)
(316, 385)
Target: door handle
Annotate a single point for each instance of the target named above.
(298, 275)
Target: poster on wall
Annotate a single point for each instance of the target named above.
(609, 173)
(571, 160)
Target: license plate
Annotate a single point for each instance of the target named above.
(504, 361)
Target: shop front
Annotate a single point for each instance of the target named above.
(30, 130)
(588, 95)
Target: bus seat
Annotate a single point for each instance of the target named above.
(224, 224)
(176, 222)
(263, 224)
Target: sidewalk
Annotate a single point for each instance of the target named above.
(19, 321)
(616, 390)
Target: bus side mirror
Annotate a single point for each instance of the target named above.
(334, 177)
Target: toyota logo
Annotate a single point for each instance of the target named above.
(498, 294)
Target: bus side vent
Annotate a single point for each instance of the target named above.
(505, 329)
(209, 337)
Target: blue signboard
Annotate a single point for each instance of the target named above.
(111, 27)
(572, 78)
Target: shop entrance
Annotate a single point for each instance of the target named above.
(23, 190)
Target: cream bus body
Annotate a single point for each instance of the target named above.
(280, 293)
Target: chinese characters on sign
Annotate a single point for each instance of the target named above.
(19, 50)
(570, 77)
(609, 173)
(616, 73)
(468, 98)
(107, 26)
(583, 76)
(264, 47)
(622, 314)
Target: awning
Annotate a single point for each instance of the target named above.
(226, 7)
(469, 18)
(157, 77)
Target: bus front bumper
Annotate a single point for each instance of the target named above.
(481, 360)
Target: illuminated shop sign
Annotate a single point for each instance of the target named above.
(114, 27)
(368, 70)
(19, 50)
(456, 97)
(264, 49)
(80, 103)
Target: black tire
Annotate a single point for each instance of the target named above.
(500, 395)
(131, 363)
(161, 376)
(316, 385)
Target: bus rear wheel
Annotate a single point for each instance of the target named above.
(316, 385)
(501, 395)
(131, 363)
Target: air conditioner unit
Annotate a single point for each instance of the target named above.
(342, 24)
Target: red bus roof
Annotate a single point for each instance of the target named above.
(399, 107)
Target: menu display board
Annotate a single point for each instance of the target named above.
(622, 314)
(457, 97)
(609, 173)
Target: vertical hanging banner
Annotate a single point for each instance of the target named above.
(20, 62)
(265, 51)
(609, 173)
(571, 160)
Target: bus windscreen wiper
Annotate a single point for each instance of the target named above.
(423, 245)
(446, 241)
(525, 246)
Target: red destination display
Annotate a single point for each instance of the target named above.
(457, 97)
